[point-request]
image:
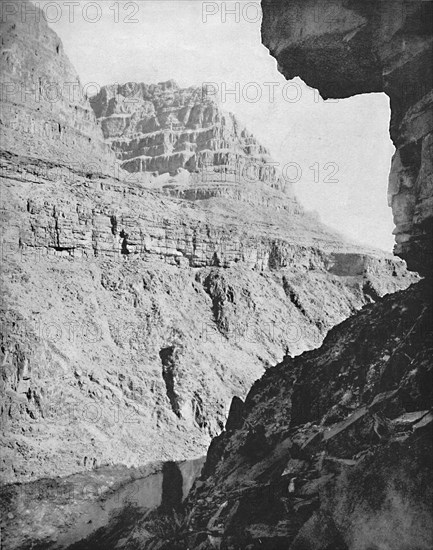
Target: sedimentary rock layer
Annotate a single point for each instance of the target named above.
(163, 128)
(130, 317)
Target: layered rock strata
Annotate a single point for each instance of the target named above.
(132, 318)
(163, 128)
(143, 315)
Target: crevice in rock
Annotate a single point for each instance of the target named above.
(167, 356)
(113, 221)
(199, 416)
(275, 257)
(293, 296)
(124, 246)
(370, 292)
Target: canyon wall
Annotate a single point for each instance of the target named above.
(347, 47)
(163, 128)
(137, 305)
(132, 316)
(44, 109)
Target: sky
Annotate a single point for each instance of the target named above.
(337, 151)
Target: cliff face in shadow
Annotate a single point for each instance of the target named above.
(348, 47)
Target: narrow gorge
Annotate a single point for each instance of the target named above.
(156, 267)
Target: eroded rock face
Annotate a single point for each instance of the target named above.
(331, 449)
(143, 314)
(163, 128)
(44, 109)
(347, 47)
(131, 317)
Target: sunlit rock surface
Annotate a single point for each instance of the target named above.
(44, 109)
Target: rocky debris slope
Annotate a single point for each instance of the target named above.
(44, 108)
(331, 449)
(347, 47)
(165, 129)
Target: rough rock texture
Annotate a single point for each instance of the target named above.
(332, 449)
(163, 128)
(44, 109)
(131, 318)
(348, 47)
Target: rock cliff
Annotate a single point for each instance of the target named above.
(44, 108)
(135, 308)
(144, 314)
(331, 450)
(347, 47)
(163, 128)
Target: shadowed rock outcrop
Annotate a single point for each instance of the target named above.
(333, 448)
(347, 47)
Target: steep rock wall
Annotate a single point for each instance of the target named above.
(163, 128)
(331, 449)
(114, 275)
(347, 47)
(102, 277)
(44, 109)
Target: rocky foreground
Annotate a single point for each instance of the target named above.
(330, 450)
